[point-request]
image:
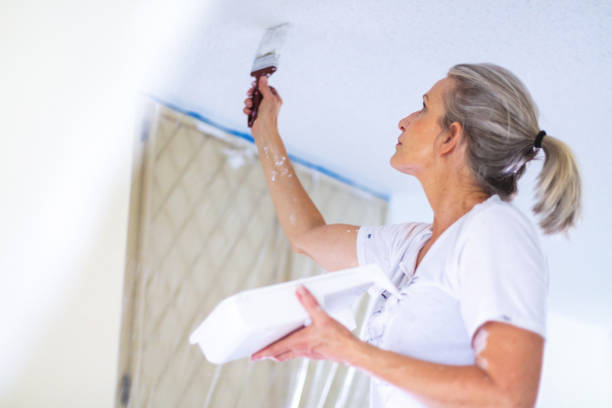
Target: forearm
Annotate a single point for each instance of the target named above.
(295, 210)
(438, 385)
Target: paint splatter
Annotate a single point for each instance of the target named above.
(280, 162)
(480, 343)
(482, 363)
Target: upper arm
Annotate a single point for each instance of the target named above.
(332, 246)
(512, 358)
(502, 276)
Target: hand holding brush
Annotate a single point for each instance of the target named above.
(270, 103)
(266, 63)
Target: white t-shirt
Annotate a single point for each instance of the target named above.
(487, 265)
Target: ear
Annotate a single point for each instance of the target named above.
(451, 139)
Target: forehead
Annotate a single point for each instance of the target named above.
(438, 89)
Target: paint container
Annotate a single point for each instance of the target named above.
(250, 320)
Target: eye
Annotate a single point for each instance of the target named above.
(423, 106)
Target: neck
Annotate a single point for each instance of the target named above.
(451, 197)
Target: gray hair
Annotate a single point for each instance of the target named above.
(500, 123)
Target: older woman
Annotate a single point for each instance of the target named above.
(468, 326)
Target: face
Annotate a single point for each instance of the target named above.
(414, 151)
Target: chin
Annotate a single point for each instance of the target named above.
(391, 162)
(399, 167)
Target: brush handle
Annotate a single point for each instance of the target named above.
(257, 96)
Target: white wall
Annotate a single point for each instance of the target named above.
(69, 82)
(65, 177)
(577, 368)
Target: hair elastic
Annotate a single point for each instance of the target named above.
(539, 137)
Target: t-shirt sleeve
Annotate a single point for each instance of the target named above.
(383, 245)
(502, 274)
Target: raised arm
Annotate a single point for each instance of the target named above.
(331, 246)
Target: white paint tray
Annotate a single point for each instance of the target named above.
(248, 321)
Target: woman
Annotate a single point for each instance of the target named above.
(468, 326)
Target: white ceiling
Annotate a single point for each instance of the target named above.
(351, 69)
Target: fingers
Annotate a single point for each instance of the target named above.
(287, 355)
(293, 341)
(270, 351)
(248, 103)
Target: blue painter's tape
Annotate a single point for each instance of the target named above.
(248, 137)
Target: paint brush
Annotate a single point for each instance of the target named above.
(266, 61)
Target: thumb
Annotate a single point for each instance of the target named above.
(263, 86)
(309, 302)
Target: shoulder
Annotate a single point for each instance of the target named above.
(393, 238)
(502, 231)
(392, 233)
(386, 244)
(502, 220)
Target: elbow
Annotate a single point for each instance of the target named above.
(297, 245)
(508, 401)
(512, 399)
(301, 243)
(296, 248)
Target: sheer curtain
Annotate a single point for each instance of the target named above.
(203, 227)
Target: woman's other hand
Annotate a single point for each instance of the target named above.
(269, 107)
(324, 339)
